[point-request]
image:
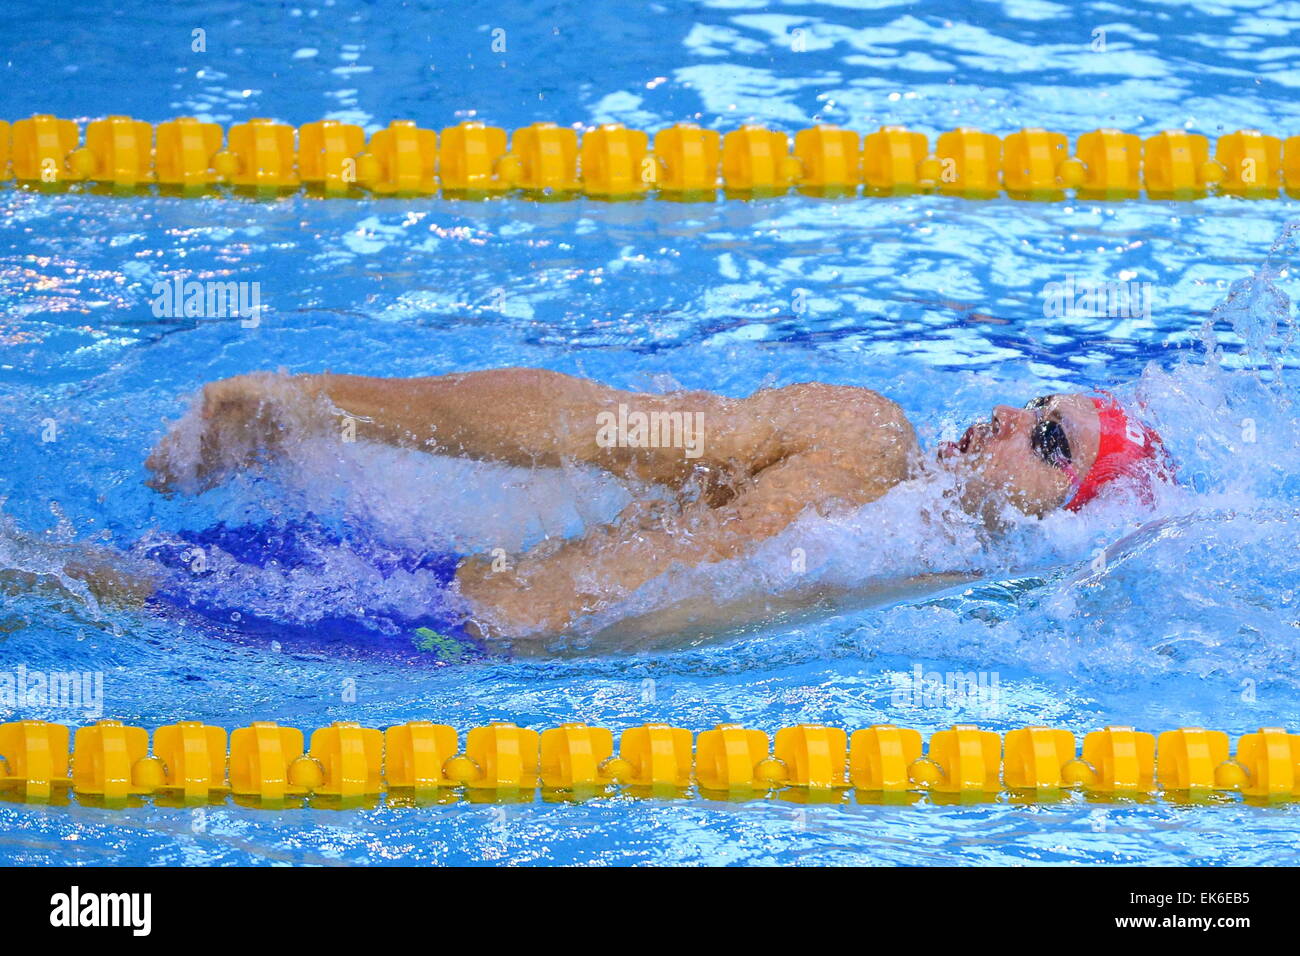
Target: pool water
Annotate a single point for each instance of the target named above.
(1189, 618)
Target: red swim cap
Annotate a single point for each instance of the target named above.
(1128, 449)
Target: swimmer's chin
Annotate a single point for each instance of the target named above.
(958, 479)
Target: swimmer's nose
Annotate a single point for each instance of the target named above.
(1008, 420)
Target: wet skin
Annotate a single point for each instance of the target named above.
(764, 459)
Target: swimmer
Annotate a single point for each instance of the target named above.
(738, 470)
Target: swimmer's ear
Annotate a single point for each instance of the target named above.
(992, 513)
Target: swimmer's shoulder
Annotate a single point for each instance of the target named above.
(850, 409)
(855, 431)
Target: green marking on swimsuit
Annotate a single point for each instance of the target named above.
(447, 648)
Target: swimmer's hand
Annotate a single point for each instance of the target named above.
(235, 424)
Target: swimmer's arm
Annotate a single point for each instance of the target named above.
(517, 416)
(550, 587)
(700, 616)
(109, 576)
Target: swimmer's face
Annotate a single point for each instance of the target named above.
(1028, 457)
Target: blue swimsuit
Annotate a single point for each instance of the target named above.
(270, 558)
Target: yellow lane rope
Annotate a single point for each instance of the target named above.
(610, 161)
(269, 762)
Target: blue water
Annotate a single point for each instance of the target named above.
(937, 303)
